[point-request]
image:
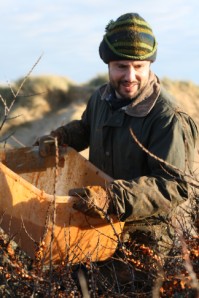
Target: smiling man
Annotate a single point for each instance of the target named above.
(146, 190)
(129, 78)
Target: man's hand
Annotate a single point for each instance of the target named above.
(46, 145)
(92, 201)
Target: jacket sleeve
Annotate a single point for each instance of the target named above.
(163, 189)
(76, 133)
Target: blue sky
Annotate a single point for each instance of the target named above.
(68, 34)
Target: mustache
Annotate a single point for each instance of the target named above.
(129, 83)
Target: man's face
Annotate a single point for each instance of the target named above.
(128, 78)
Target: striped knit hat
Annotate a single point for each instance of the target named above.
(130, 37)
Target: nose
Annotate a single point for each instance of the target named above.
(130, 74)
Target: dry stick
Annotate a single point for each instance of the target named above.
(83, 284)
(8, 109)
(51, 217)
(28, 234)
(54, 209)
(24, 80)
(191, 182)
(188, 265)
(4, 103)
(158, 283)
(7, 137)
(11, 135)
(18, 142)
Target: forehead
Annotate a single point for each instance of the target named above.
(129, 62)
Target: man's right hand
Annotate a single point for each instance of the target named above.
(46, 145)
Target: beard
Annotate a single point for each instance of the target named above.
(127, 90)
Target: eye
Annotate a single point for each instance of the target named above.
(139, 66)
(121, 66)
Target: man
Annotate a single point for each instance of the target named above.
(138, 136)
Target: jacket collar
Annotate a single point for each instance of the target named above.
(143, 104)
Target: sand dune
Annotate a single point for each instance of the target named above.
(58, 101)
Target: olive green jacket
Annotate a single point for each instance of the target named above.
(143, 187)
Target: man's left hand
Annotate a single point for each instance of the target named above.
(92, 201)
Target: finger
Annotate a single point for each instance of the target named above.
(43, 151)
(82, 192)
(81, 206)
(36, 143)
(46, 149)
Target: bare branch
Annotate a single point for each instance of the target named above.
(15, 95)
(182, 173)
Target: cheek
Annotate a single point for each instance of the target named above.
(144, 76)
(114, 75)
(145, 73)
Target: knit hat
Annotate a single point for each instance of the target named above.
(130, 37)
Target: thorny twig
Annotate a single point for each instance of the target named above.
(15, 95)
(183, 173)
(54, 200)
